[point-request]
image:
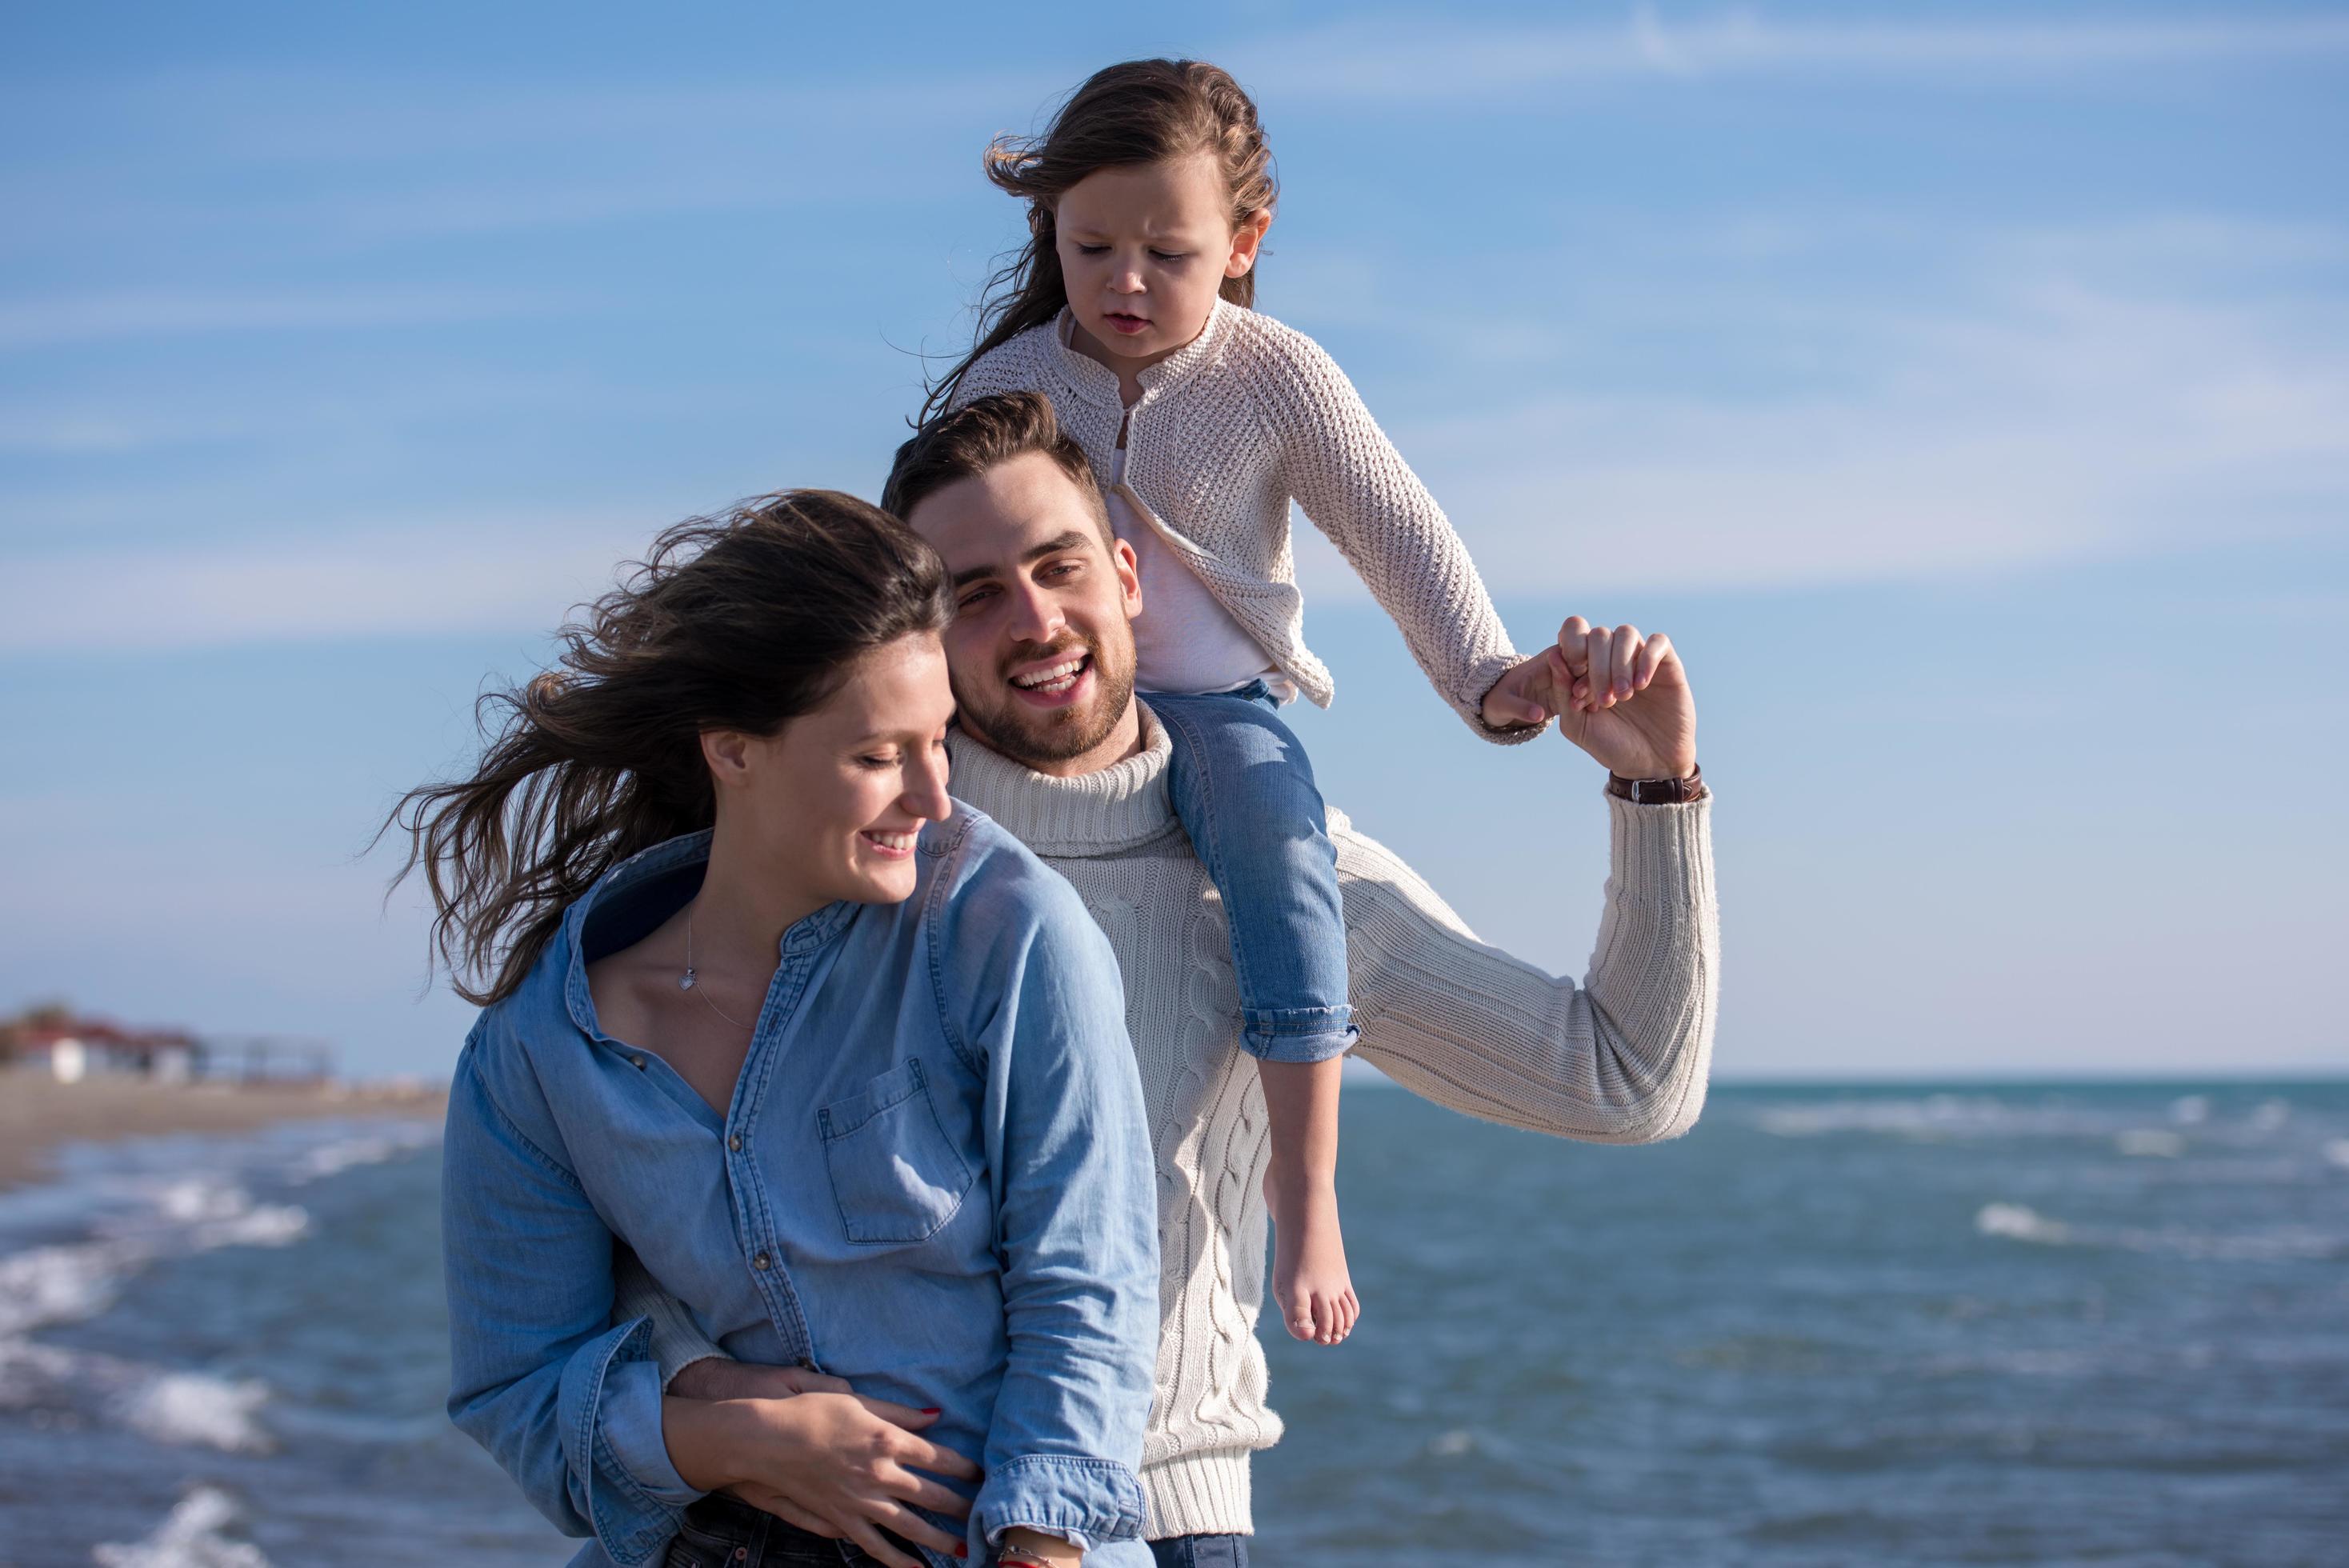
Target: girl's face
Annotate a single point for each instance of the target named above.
(1144, 249)
(828, 806)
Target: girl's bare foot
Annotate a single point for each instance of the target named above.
(1310, 1281)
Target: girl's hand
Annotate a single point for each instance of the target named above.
(1627, 699)
(838, 1464)
(1527, 692)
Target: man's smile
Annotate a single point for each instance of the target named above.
(1063, 678)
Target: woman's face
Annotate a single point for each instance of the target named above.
(831, 804)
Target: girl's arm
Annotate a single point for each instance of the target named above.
(567, 1403)
(1356, 488)
(1076, 1212)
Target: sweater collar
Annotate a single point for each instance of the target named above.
(1094, 381)
(1103, 813)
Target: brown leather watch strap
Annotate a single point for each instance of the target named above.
(1659, 791)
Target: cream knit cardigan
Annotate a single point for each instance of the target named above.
(1246, 417)
(1620, 1058)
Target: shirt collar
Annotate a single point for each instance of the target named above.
(1103, 814)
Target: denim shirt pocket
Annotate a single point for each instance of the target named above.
(895, 1175)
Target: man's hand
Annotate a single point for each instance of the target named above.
(1624, 698)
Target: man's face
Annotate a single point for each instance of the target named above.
(1041, 649)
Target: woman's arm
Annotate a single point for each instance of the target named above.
(568, 1404)
(1356, 489)
(1076, 1216)
(1621, 1059)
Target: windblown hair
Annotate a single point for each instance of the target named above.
(741, 622)
(983, 434)
(1142, 111)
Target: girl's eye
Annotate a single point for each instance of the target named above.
(1170, 255)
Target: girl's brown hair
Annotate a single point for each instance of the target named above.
(1143, 111)
(741, 622)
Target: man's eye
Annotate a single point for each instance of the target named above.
(973, 597)
(1062, 567)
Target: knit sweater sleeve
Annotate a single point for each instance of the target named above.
(1621, 1057)
(1356, 489)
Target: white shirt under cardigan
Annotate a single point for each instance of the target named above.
(1620, 1058)
(1230, 429)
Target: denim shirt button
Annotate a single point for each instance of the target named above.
(638, 1062)
(761, 1261)
(735, 1143)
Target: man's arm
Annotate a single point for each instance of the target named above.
(1621, 1057)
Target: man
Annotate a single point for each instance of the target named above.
(1054, 746)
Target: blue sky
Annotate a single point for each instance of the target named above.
(1964, 386)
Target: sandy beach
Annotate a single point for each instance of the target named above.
(39, 1114)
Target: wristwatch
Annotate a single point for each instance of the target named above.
(1659, 791)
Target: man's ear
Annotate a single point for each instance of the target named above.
(1129, 578)
(727, 753)
(1247, 241)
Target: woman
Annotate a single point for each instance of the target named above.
(845, 1067)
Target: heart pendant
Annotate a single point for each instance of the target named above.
(685, 982)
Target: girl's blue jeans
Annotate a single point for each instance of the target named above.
(1244, 788)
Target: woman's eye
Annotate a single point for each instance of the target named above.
(1092, 249)
(876, 763)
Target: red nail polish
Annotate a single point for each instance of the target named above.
(931, 1412)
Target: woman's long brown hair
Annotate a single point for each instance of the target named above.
(740, 622)
(1142, 111)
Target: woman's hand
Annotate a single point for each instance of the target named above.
(835, 1463)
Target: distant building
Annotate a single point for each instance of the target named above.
(72, 1049)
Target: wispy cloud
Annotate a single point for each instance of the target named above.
(1452, 60)
(158, 313)
(501, 574)
(2055, 417)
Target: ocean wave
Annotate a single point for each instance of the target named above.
(189, 1537)
(345, 1154)
(2020, 1223)
(190, 1409)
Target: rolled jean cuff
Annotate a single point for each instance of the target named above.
(1298, 1034)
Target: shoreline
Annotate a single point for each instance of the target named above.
(39, 1115)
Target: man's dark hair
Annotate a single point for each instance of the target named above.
(984, 434)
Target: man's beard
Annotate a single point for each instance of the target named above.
(1033, 737)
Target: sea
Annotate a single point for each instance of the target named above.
(2038, 1324)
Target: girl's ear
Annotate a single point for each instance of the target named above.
(1247, 240)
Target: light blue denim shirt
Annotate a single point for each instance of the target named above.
(934, 1181)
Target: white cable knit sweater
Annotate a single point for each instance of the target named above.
(1620, 1058)
(1246, 417)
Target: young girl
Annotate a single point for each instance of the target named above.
(1149, 196)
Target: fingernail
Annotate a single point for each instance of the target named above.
(931, 1412)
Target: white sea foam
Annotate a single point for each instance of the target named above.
(1936, 1116)
(2271, 1115)
(61, 1283)
(188, 1408)
(190, 1538)
(2150, 1143)
(2336, 1152)
(2190, 1109)
(2020, 1223)
(332, 1159)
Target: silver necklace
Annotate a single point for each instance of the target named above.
(689, 981)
